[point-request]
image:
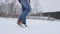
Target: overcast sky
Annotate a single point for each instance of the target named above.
(50, 5)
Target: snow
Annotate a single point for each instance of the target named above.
(9, 26)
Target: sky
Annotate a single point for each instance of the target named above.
(50, 5)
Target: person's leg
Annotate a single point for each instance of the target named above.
(26, 11)
(19, 20)
(24, 20)
(23, 8)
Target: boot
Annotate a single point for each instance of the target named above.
(20, 22)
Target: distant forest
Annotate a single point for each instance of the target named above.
(52, 14)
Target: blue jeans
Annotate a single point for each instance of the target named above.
(26, 8)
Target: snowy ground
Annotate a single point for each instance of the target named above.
(9, 26)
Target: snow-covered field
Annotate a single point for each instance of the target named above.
(9, 26)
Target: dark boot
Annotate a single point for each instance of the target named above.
(20, 22)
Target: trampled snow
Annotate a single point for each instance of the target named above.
(9, 26)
